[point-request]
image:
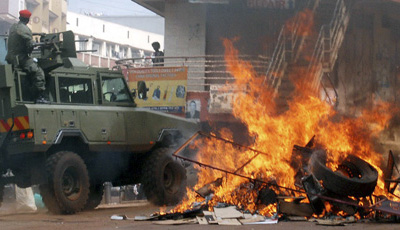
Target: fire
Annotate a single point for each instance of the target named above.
(163, 210)
(305, 19)
(275, 134)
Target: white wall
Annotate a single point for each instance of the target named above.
(9, 13)
(185, 29)
(185, 34)
(113, 33)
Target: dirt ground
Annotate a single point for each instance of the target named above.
(100, 219)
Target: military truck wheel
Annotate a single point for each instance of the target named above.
(95, 196)
(67, 189)
(163, 179)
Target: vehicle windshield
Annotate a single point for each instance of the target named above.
(115, 90)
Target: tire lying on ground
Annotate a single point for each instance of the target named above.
(354, 177)
(163, 179)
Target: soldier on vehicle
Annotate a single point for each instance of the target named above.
(20, 46)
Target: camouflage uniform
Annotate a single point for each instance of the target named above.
(20, 46)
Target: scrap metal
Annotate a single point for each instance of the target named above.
(312, 187)
(388, 173)
(175, 154)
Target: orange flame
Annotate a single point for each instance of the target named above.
(275, 134)
(301, 25)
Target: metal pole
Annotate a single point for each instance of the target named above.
(107, 192)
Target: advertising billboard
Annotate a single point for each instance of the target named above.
(160, 88)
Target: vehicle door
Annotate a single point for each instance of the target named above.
(110, 118)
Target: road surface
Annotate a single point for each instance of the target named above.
(100, 219)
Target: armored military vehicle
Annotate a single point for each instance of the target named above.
(89, 133)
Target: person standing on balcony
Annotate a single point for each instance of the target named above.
(20, 46)
(157, 61)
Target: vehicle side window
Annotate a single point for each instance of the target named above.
(75, 90)
(114, 90)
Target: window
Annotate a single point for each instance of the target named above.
(96, 47)
(108, 48)
(115, 90)
(27, 94)
(77, 22)
(104, 28)
(123, 52)
(75, 90)
(82, 45)
(114, 53)
(128, 34)
(22, 5)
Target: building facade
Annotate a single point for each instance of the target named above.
(108, 41)
(363, 61)
(195, 27)
(151, 23)
(48, 16)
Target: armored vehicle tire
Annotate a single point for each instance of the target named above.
(355, 177)
(163, 179)
(95, 196)
(67, 189)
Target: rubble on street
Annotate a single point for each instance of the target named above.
(320, 195)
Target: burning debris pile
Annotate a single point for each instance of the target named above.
(308, 161)
(318, 193)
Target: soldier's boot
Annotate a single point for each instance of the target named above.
(42, 99)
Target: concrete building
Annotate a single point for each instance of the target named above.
(109, 41)
(9, 13)
(195, 27)
(361, 45)
(150, 23)
(48, 16)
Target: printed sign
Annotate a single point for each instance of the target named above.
(193, 108)
(161, 88)
(222, 98)
(271, 4)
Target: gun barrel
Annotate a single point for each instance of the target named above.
(82, 40)
(45, 43)
(38, 34)
(82, 51)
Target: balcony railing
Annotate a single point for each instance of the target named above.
(203, 71)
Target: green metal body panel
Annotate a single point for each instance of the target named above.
(93, 104)
(125, 128)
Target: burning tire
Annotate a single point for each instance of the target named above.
(95, 196)
(67, 189)
(354, 177)
(163, 179)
